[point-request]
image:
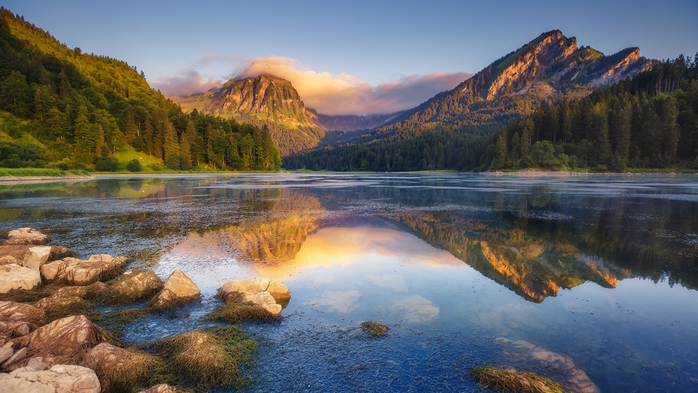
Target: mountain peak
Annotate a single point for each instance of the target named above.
(550, 67)
(262, 100)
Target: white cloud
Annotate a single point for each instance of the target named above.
(331, 94)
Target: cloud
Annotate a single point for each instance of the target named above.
(189, 82)
(331, 94)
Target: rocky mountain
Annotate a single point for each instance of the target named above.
(549, 68)
(263, 100)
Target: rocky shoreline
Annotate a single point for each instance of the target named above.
(51, 340)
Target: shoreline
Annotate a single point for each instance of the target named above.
(43, 178)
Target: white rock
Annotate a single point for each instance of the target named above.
(255, 285)
(24, 236)
(37, 256)
(179, 288)
(58, 379)
(14, 277)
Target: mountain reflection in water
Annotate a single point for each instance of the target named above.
(464, 269)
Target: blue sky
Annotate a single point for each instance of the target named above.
(375, 42)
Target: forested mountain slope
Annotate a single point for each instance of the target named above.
(62, 108)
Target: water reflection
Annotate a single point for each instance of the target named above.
(451, 263)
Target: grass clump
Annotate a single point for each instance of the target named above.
(375, 329)
(235, 310)
(514, 382)
(209, 358)
(122, 370)
(120, 318)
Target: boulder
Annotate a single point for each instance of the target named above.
(26, 236)
(19, 319)
(264, 300)
(178, 289)
(277, 290)
(57, 379)
(20, 312)
(63, 341)
(6, 352)
(32, 256)
(120, 369)
(163, 388)
(16, 357)
(58, 252)
(9, 260)
(72, 271)
(131, 287)
(36, 256)
(259, 291)
(15, 277)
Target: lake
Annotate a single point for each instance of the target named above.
(590, 280)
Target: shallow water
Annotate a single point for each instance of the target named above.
(590, 280)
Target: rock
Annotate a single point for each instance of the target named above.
(277, 290)
(58, 252)
(32, 256)
(178, 289)
(264, 300)
(36, 364)
(9, 260)
(20, 312)
(14, 277)
(164, 388)
(26, 236)
(74, 271)
(131, 287)
(6, 353)
(119, 369)
(16, 357)
(37, 256)
(58, 379)
(64, 340)
(570, 376)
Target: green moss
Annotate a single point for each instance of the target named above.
(375, 329)
(514, 382)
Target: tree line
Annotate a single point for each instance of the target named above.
(84, 109)
(650, 121)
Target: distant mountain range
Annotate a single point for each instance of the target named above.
(549, 68)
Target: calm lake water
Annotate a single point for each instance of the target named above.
(590, 280)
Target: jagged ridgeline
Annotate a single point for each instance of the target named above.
(63, 108)
(642, 115)
(549, 68)
(264, 100)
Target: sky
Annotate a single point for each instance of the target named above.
(349, 57)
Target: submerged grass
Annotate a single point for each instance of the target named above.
(131, 371)
(235, 310)
(120, 318)
(208, 359)
(514, 382)
(375, 329)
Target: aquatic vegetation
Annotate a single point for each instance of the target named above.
(122, 370)
(209, 358)
(375, 329)
(514, 382)
(236, 310)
